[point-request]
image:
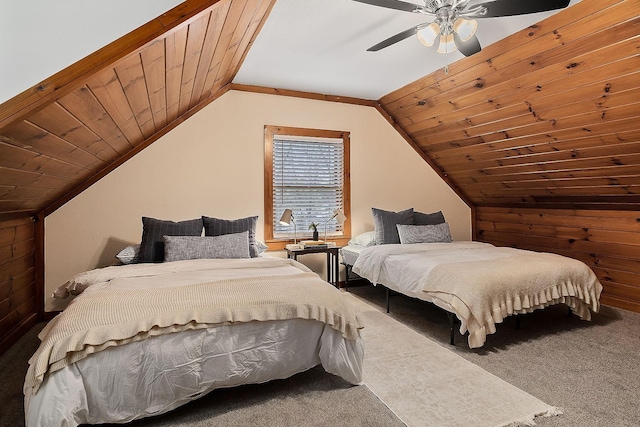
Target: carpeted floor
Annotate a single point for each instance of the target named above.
(425, 384)
(590, 369)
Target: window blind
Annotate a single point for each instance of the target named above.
(307, 178)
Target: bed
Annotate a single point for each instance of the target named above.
(413, 253)
(142, 339)
(479, 283)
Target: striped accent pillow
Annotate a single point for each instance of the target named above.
(153, 230)
(385, 224)
(438, 233)
(219, 227)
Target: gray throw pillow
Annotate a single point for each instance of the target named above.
(177, 248)
(219, 227)
(438, 233)
(152, 245)
(385, 223)
(434, 218)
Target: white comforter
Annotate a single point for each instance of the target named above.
(480, 283)
(157, 374)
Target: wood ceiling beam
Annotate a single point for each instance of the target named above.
(301, 94)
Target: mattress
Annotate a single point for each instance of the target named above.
(350, 254)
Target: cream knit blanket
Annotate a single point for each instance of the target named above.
(484, 292)
(104, 318)
(480, 283)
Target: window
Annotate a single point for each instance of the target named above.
(307, 171)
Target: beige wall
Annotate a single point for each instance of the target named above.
(213, 165)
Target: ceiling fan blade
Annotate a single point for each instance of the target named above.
(395, 39)
(516, 7)
(393, 4)
(469, 47)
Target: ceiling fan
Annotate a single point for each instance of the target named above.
(454, 20)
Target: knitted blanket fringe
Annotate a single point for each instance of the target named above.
(530, 420)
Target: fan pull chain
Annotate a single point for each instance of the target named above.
(446, 58)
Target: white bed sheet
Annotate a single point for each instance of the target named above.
(350, 253)
(158, 374)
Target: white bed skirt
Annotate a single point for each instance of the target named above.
(159, 374)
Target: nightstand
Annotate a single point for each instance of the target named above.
(333, 264)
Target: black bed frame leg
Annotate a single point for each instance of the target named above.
(347, 269)
(452, 328)
(387, 299)
(569, 312)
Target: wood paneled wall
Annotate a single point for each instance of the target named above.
(19, 305)
(608, 241)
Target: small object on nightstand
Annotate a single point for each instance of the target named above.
(316, 244)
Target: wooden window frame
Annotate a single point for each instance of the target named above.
(269, 133)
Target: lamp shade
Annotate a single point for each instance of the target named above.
(447, 45)
(340, 219)
(428, 34)
(287, 217)
(340, 216)
(465, 28)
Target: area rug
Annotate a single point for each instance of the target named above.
(425, 384)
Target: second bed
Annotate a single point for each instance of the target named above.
(479, 283)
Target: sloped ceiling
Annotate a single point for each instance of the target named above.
(549, 117)
(546, 117)
(62, 135)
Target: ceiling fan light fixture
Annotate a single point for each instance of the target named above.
(454, 20)
(428, 34)
(447, 45)
(465, 28)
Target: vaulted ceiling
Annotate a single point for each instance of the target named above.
(73, 128)
(546, 117)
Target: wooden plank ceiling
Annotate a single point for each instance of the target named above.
(72, 129)
(549, 117)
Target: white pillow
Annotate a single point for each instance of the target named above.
(368, 238)
(439, 233)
